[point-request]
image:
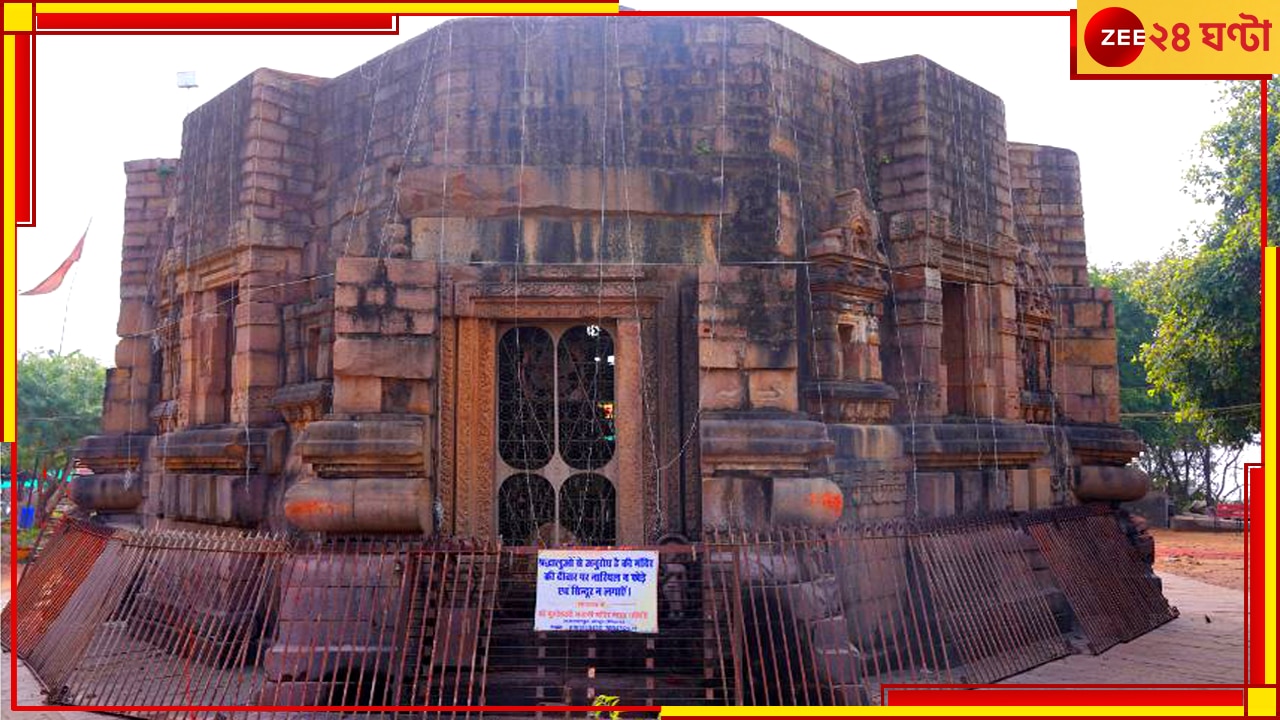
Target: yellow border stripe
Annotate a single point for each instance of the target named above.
(454, 8)
(17, 17)
(1262, 702)
(1268, 562)
(10, 244)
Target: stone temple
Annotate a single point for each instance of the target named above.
(634, 282)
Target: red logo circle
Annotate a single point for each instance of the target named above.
(1111, 39)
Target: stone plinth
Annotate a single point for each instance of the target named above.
(368, 476)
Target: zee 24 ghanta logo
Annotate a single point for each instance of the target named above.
(1115, 37)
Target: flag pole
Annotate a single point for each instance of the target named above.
(66, 308)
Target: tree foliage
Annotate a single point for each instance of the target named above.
(1179, 462)
(1205, 294)
(59, 402)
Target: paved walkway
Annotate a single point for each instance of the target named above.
(1204, 645)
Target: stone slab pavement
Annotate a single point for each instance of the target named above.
(1204, 645)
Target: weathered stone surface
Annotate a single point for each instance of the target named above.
(356, 505)
(1097, 482)
(486, 191)
(303, 402)
(936, 494)
(723, 390)
(114, 492)
(224, 448)
(239, 500)
(773, 390)
(751, 285)
(395, 445)
(762, 442)
(1101, 445)
(805, 501)
(357, 395)
(395, 357)
(975, 444)
(735, 501)
(113, 453)
(909, 299)
(1020, 489)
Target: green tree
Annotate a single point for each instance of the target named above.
(1177, 459)
(59, 402)
(1205, 352)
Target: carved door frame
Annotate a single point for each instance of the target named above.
(469, 338)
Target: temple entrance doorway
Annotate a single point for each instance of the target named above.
(556, 438)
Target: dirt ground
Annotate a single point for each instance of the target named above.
(1214, 558)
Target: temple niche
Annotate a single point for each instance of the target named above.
(595, 282)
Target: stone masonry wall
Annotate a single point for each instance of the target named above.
(938, 155)
(213, 148)
(747, 338)
(249, 166)
(149, 195)
(385, 348)
(453, 129)
(940, 178)
(1047, 193)
(333, 253)
(1049, 209)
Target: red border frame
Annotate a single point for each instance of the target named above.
(1026, 695)
(239, 23)
(329, 24)
(1255, 599)
(24, 127)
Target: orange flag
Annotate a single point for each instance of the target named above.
(52, 282)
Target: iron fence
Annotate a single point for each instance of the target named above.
(167, 620)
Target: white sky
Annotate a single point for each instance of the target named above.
(104, 100)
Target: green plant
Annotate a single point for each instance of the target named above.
(59, 402)
(27, 536)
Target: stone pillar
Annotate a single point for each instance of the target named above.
(994, 372)
(917, 343)
(256, 365)
(630, 434)
(1035, 335)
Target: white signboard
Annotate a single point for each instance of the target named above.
(597, 591)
